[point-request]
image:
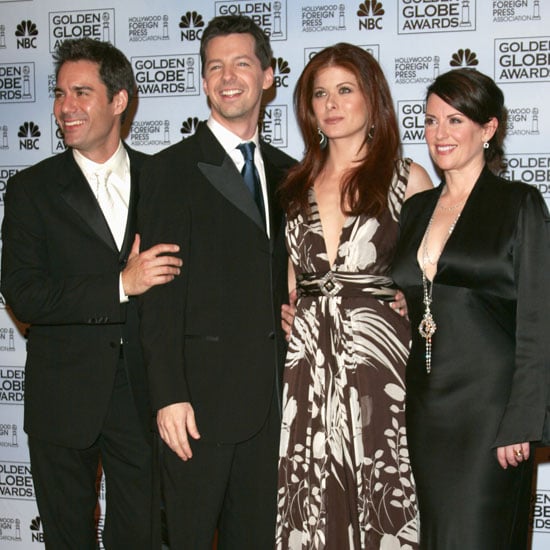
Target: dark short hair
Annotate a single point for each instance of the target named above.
(115, 70)
(237, 24)
(476, 96)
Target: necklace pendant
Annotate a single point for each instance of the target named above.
(427, 326)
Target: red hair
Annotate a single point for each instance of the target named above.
(365, 188)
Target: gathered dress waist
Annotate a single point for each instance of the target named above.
(345, 284)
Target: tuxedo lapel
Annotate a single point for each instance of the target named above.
(227, 181)
(223, 175)
(130, 232)
(274, 176)
(76, 192)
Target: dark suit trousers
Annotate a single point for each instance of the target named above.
(65, 482)
(231, 487)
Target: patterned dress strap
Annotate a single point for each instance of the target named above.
(398, 186)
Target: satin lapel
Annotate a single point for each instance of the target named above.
(274, 176)
(132, 209)
(481, 192)
(458, 241)
(76, 192)
(475, 209)
(223, 175)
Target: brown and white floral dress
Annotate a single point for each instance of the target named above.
(344, 475)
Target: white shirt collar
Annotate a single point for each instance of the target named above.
(118, 163)
(228, 139)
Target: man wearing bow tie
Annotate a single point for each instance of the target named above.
(71, 267)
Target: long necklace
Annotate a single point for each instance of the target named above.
(427, 326)
(453, 207)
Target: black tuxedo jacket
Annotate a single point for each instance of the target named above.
(212, 336)
(60, 273)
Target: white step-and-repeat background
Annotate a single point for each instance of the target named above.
(414, 40)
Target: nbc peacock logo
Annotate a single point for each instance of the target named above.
(370, 15)
(281, 70)
(29, 134)
(191, 25)
(464, 58)
(37, 533)
(189, 126)
(26, 33)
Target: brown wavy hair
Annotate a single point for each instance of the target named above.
(365, 187)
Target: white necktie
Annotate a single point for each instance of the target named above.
(112, 204)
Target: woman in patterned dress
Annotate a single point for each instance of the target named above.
(344, 473)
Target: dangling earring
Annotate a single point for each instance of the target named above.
(370, 135)
(485, 145)
(323, 140)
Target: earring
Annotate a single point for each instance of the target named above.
(323, 140)
(370, 135)
(485, 145)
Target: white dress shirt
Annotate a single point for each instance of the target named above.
(118, 167)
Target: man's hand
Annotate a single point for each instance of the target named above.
(288, 312)
(176, 423)
(399, 304)
(149, 268)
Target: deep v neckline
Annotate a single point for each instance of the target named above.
(454, 225)
(347, 221)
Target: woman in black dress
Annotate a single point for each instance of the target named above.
(473, 260)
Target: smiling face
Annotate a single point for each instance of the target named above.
(455, 142)
(339, 105)
(234, 82)
(89, 121)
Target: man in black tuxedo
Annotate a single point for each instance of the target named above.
(70, 267)
(212, 340)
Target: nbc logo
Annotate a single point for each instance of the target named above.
(26, 33)
(189, 126)
(281, 69)
(370, 15)
(37, 534)
(191, 24)
(28, 135)
(464, 58)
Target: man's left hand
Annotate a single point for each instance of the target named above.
(288, 312)
(399, 304)
(150, 268)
